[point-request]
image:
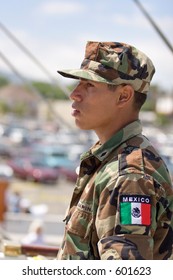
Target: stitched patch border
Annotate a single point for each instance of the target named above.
(135, 210)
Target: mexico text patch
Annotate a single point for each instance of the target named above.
(135, 210)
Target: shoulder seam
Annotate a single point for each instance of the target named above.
(131, 160)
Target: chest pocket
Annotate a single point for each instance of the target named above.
(80, 223)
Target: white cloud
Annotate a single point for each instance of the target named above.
(123, 20)
(55, 54)
(61, 8)
(139, 21)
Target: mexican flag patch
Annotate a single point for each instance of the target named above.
(135, 210)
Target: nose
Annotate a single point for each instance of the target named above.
(76, 93)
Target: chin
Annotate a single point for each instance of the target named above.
(82, 125)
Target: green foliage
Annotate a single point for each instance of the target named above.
(49, 91)
(4, 108)
(152, 97)
(3, 81)
(18, 109)
(163, 120)
(149, 105)
(72, 86)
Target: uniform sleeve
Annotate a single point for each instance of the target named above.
(125, 221)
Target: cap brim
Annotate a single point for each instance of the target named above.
(83, 74)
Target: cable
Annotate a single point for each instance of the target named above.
(154, 25)
(32, 57)
(33, 89)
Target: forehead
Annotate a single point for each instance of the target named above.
(99, 84)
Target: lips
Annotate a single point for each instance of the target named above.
(75, 111)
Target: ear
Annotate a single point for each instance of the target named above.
(125, 95)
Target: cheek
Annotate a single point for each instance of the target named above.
(99, 104)
(107, 106)
(103, 110)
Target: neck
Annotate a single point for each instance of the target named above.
(105, 134)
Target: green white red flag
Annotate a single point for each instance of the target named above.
(135, 210)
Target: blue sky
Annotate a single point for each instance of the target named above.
(56, 33)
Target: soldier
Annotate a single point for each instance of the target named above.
(122, 205)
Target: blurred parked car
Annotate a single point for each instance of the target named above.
(34, 169)
(69, 173)
(6, 172)
(17, 135)
(5, 151)
(56, 156)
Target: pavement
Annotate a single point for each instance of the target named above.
(47, 202)
(55, 196)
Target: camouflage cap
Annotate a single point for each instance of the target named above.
(114, 63)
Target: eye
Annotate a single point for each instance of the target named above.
(89, 84)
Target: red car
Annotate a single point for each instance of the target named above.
(68, 173)
(34, 169)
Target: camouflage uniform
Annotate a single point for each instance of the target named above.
(114, 63)
(122, 206)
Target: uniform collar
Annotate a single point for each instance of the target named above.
(102, 151)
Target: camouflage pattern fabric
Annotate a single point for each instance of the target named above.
(124, 173)
(114, 63)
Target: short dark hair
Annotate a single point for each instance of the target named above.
(139, 98)
(112, 87)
